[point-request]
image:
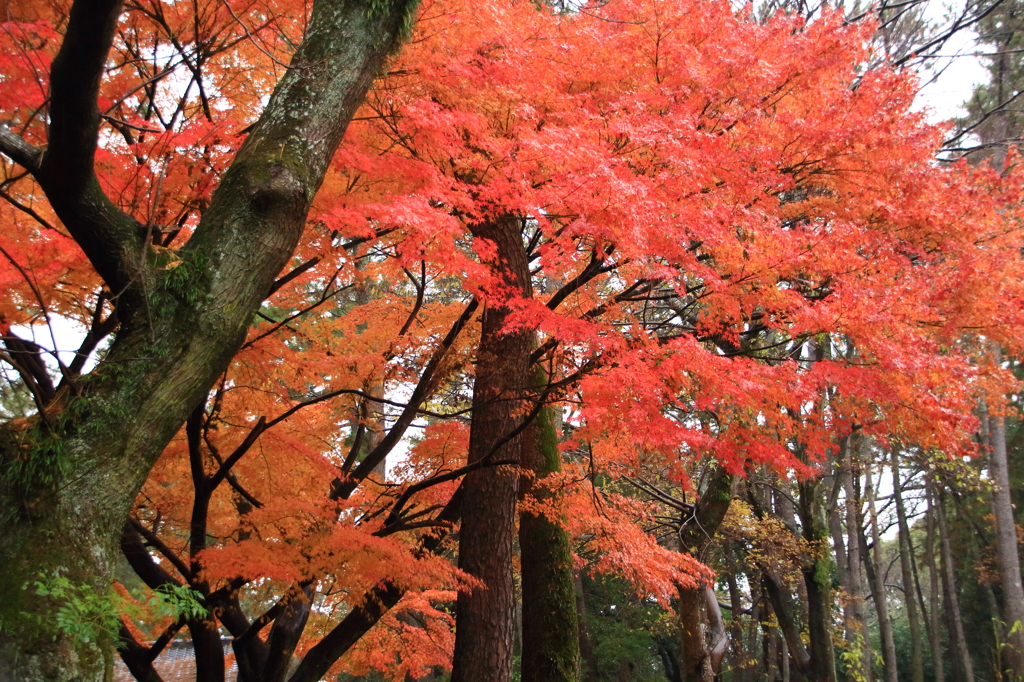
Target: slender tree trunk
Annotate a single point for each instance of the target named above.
(768, 632)
(551, 644)
(854, 532)
(906, 546)
(956, 634)
(782, 605)
(934, 640)
(718, 643)
(484, 634)
(370, 413)
(756, 611)
(784, 659)
(876, 574)
(589, 667)
(1012, 655)
(738, 661)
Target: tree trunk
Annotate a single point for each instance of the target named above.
(92, 451)
(1012, 654)
(958, 640)
(817, 582)
(782, 605)
(854, 531)
(695, 534)
(906, 547)
(692, 646)
(551, 645)
(483, 637)
(589, 667)
(876, 574)
(738, 657)
(934, 640)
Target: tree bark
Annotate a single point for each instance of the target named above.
(551, 644)
(876, 575)
(956, 625)
(782, 605)
(695, 534)
(817, 582)
(854, 531)
(906, 547)
(934, 641)
(179, 328)
(1012, 654)
(588, 657)
(483, 637)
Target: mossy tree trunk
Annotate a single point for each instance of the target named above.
(817, 580)
(68, 477)
(551, 644)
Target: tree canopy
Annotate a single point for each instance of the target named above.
(611, 267)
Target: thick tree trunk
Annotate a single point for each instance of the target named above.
(90, 455)
(906, 546)
(818, 582)
(483, 637)
(551, 645)
(692, 647)
(698, 655)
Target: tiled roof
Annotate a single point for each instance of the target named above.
(177, 663)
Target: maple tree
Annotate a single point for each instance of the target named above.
(720, 230)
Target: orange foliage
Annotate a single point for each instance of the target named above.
(743, 242)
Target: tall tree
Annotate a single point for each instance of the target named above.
(906, 551)
(551, 627)
(92, 446)
(1007, 550)
(483, 638)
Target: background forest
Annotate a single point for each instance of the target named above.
(626, 340)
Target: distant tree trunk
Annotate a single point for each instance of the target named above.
(1012, 658)
(738, 659)
(854, 532)
(934, 640)
(484, 634)
(817, 581)
(768, 632)
(370, 413)
(782, 605)
(587, 656)
(958, 640)
(551, 644)
(876, 575)
(756, 611)
(906, 546)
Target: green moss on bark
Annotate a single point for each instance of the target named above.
(551, 651)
